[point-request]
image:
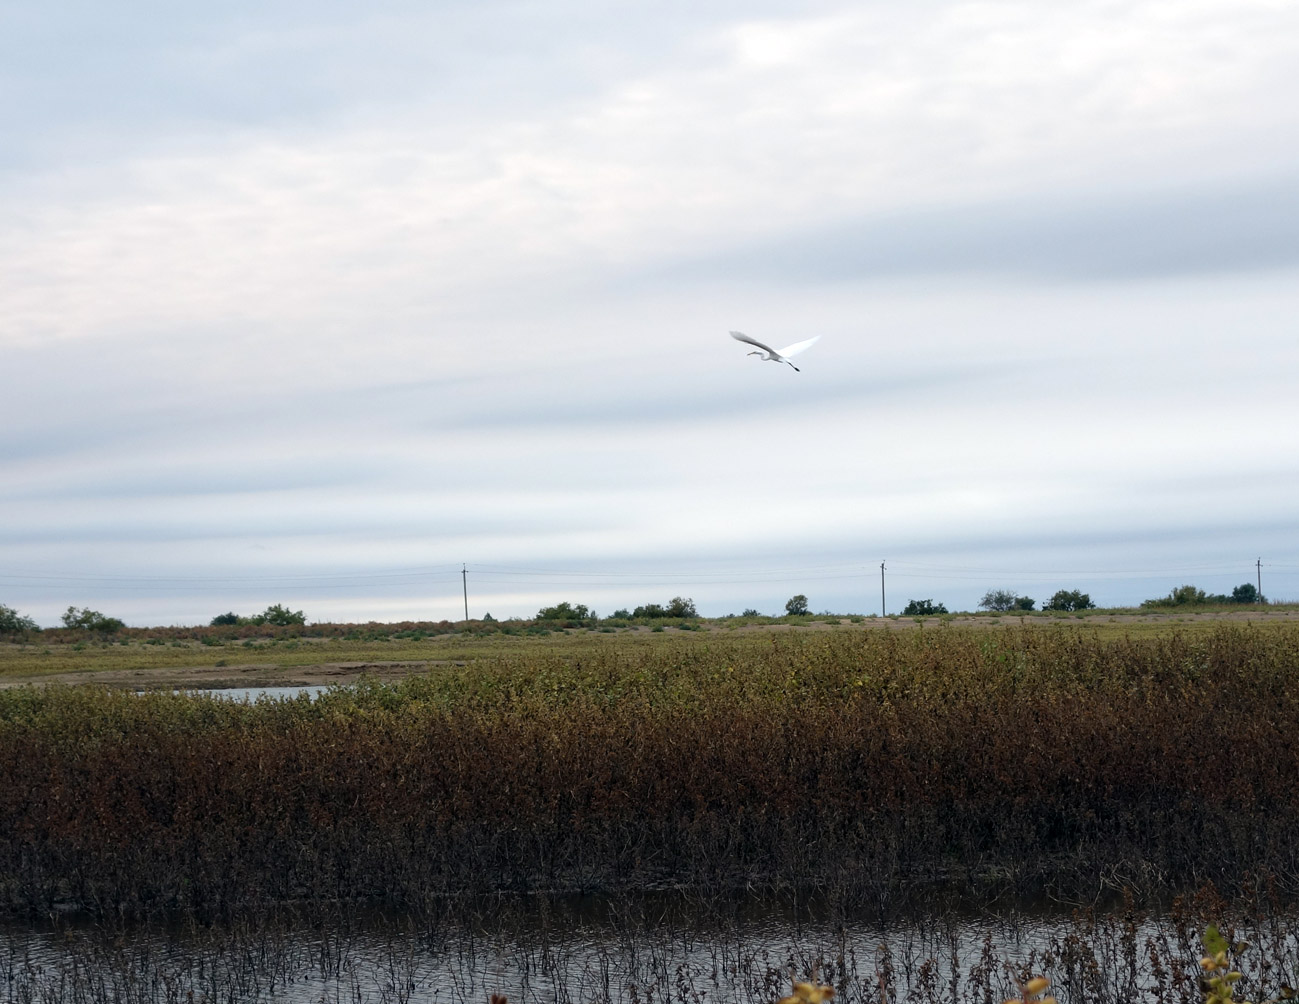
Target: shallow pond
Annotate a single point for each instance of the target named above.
(253, 694)
(635, 957)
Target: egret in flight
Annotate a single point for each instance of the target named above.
(773, 355)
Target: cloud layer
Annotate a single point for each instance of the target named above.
(323, 304)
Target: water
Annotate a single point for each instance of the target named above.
(389, 965)
(536, 955)
(252, 694)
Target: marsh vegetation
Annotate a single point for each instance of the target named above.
(865, 778)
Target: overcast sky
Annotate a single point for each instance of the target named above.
(314, 303)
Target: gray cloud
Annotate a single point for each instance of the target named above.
(323, 290)
(86, 80)
(1231, 228)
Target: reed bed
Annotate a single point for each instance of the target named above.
(864, 768)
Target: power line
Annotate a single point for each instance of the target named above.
(604, 577)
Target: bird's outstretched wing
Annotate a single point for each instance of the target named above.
(797, 347)
(740, 336)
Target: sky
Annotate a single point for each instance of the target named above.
(326, 304)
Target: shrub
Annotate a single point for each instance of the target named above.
(750, 612)
(796, 606)
(565, 612)
(678, 607)
(221, 620)
(91, 620)
(1187, 595)
(280, 616)
(14, 623)
(1003, 599)
(1247, 592)
(1069, 599)
(921, 608)
(681, 606)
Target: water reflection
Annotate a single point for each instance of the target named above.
(638, 955)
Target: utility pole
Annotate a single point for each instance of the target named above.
(884, 610)
(464, 581)
(1258, 567)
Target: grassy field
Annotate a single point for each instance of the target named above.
(338, 653)
(865, 765)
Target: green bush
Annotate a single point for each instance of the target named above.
(91, 620)
(796, 606)
(1001, 600)
(1247, 592)
(221, 620)
(678, 607)
(921, 608)
(681, 606)
(1182, 596)
(280, 616)
(14, 623)
(565, 612)
(1069, 599)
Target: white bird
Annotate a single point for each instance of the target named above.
(774, 355)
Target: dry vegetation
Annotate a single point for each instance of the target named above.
(861, 766)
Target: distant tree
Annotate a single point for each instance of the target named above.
(91, 620)
(79, 619)
(681, 606)
(1069, 599)
(1181, 596)
(280, 616)
(564, 612)
(796, 605)
(921, 608)
(220, 620)
(14, 623)
(998, 599)
(1247, 593)
(678, 606)
(750, 612)
(621, 614)
(488, 618)
(1024, 603)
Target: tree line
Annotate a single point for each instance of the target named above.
(14, 624)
